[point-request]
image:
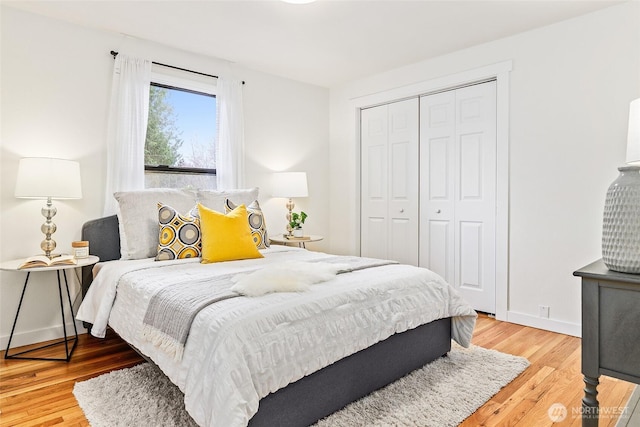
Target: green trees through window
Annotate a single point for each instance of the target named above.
(162, 146)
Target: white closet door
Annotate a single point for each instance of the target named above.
(475, 213)
(458, 182)
(437, 183)
(374, 188)
(389, 222)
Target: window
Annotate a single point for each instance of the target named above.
(180, 145)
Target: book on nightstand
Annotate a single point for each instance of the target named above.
(44, 261)
(297, 239)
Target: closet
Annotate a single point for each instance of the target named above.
(428, 186)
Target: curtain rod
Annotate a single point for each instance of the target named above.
(114, 54)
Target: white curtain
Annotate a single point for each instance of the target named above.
(230, 125)
(127, 127)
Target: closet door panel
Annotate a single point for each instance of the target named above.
(438, 156)
(475, 194)
(400, 248)
(376, 238)
(437, 182)
(471, 241)
(374, 188)
(439, 260)
(471, 167)
(403, 181)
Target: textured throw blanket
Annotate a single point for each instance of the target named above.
(172, 309)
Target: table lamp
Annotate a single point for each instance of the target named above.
(633, 134)
(47, 178)
(290, 185)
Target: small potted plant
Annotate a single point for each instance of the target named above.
(297, 219)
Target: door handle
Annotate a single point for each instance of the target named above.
(438, 211)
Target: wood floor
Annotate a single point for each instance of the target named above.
(39, 393)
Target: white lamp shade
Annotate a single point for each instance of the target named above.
(633, 139)
(40, 177)
(290, 184)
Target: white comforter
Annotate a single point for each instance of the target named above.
(241, 349)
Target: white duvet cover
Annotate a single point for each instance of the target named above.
(241, 349)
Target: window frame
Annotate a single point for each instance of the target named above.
(171, 79)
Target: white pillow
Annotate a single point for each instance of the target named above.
(289, 276)
(214, 199)
(138, 218)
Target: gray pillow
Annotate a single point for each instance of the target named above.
(138, 218)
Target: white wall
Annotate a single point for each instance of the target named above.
(55, 86)
(570, 90)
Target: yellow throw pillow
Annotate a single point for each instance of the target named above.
(226, 237)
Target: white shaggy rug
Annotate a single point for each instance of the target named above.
(441, 394)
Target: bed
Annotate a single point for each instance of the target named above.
(266, 361)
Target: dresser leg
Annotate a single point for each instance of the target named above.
(590, 406)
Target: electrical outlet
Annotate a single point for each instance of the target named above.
(543, 311)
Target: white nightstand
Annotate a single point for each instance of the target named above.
(13, 266)
(281, 240)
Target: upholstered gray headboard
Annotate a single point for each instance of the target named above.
(104, 242)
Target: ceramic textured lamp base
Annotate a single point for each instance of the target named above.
(621, 223)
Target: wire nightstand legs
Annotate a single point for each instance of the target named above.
(66, 340)
(15, 320)
(64, 323)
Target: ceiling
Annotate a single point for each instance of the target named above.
(325, 43)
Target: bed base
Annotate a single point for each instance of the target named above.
(328, 390)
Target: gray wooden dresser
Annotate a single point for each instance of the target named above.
(610, 331)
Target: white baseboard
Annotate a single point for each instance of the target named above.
(40, 335)
(52, 332)
(573, 329)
